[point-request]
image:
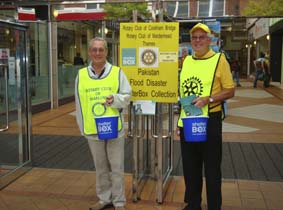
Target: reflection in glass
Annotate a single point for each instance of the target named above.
(38, 65)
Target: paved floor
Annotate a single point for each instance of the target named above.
(254, 116)
(56, 189)
(241, 160)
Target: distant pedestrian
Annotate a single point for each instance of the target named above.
(267, 73)
(78, 59)
(259, 72)
(236, 70)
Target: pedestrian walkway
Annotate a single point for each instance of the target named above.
(254, 117)
(57, 189)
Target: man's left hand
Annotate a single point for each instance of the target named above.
(200, 101)
(109, 100)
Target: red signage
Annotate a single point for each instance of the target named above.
(26, 14)
(81, 15)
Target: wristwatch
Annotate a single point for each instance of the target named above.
(211, 100)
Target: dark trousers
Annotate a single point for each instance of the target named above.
(207, 155)
(266, 81)
(258, 76)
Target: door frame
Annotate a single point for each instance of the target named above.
(26, 165)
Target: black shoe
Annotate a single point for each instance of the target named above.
(186, 207)
(190, 208)
(101, 206)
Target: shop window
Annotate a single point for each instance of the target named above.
(39, 63)
(210, 8)
(179, 9)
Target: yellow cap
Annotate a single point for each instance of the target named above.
(200, 26)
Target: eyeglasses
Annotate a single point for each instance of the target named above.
(97, 50)
(201, 38)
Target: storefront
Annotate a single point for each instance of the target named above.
(276, 49)
(57, 34)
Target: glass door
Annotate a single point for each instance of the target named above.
(14, 103)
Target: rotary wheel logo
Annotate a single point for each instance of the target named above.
(148, 57)
(192, 86)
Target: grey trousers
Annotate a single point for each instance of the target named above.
(109, 163)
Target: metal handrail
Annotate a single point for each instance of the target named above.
(162, 178)
(142, 130)
(153, 128)
(138, 181)
(170, 132)
(130, 107)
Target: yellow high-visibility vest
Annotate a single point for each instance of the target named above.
(196, 78)
(92, 91)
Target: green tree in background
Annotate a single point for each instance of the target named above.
(264, 8)
(124, 11)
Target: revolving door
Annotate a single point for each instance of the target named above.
(15, 114)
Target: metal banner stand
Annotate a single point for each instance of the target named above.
(164, 148)
(153, 153)
(152, 150)
(139, 167)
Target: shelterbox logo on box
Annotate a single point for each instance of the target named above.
(129, 56)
